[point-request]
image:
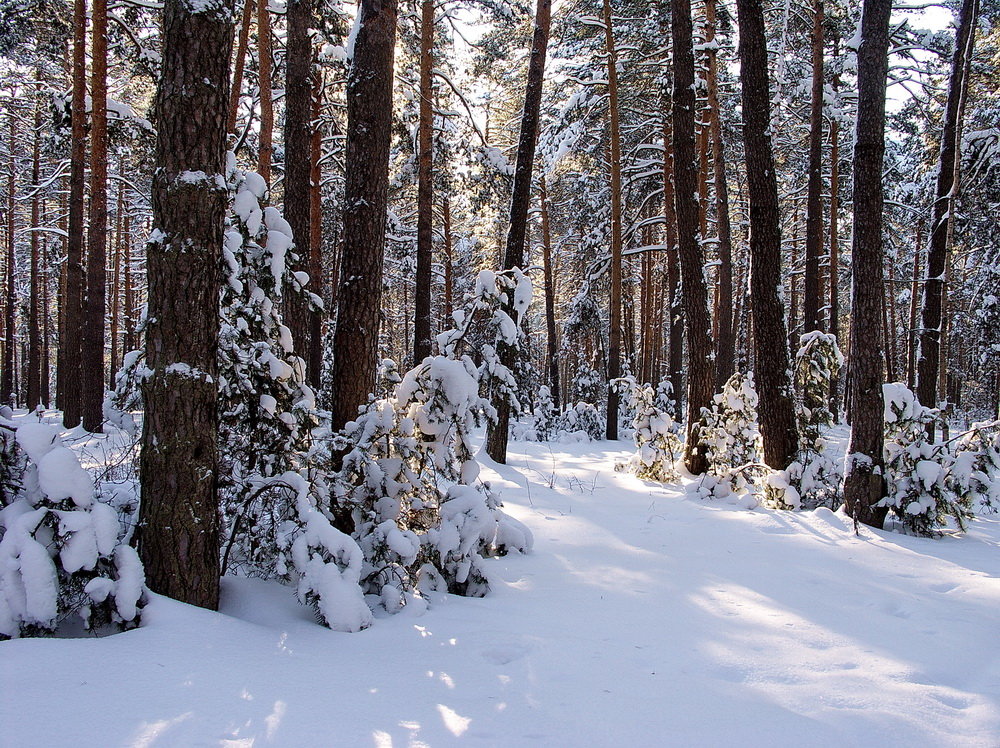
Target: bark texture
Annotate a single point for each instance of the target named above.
(771, 360)
(179, 517)
(812, 290)
(369, 121)
(425, 190)
(864, 485)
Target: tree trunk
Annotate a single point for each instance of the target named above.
(33, 389)
(240, 63)
(929, 355)
(911, 329)
(725, 343)
(116, 287)
(298, 169)
(771, 360)
(694, 296)
(369, 129)
(61, 375)
(812, 294)
(179, 515)
(552, 348)
(75, 278)
(316, 230)
(425, 189)
(46, 395)
(615, 312)
(92, 346)
(834, 274)
(131, 343)
(449, 281)
(265, 147)
(8, 392)
(864, 484)
(496, 434)
(675, 313)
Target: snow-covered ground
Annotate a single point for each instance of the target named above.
(644, 617)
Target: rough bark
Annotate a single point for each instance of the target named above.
(116, 286)
(615, 152)
(425, 189)
(771, 359)
(864, 485)
(812, 294)
(92, 345)
(675, 314)
(8, 392)
(496, 434)
(931, 314)
(178, 524)
(298, 169)
(369, 118)
(316, 317)
(75, 278)
(552, 347)
(834, 275)
(694, 295)
(911, 329)
(34, 374)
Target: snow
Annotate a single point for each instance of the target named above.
(644, 617)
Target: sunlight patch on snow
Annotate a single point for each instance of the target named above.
(150, 732)
(455, 723)
(273, 720)
(608, 577)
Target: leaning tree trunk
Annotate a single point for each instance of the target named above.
(298, 171)
(694, 294)
(72, 310)
(369, 130)
(864, 484)
(179, 516)
(97, 230)
(497, 433)
(931, 315)
(425, 190)
(771, 363)
(812, 291)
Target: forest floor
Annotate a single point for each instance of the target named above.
(644, 617)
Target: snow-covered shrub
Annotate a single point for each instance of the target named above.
(61, 550)
(813, 478)
(975, 471)
(581, 422)
(916, 468)
(656, 440)
(730, 432)
(546, 415)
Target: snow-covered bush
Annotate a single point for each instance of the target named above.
(546, 415)
(581, 422)
(813, 478)
(656, 440)
(730, 432)
(61, 551)
(975, 471)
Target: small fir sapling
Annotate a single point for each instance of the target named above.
(62, 552)
(655, 434)
(546, 415)
(813, 478)
(731, 436)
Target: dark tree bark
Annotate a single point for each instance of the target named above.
(864, 485)
(675, 313)
(316, 275)
(369, 121)
(834, 275)
(178, 524)
(771, 360)
(46, 395)
(911, 330)
(694, 295)
(8, 396)
(552, 348)
(116, 285)
(92, 346)
(812, 291)
(496, 434)
(725, 343)
(265, 145)
(615, 148)
(425, 190)
(75, 279)
(931, 314)
(298, 169)
(131, 343)
(34, 374)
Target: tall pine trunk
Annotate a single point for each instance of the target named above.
(179, 516)
(369, 123)
(425, 190)
(932, 310)
(497, 434)
(771, 360)
(834, 274)
(239, 64)
(265, 145)
(694, 294)
(864, 485)
(8, 392)
(552, 347)
(34, 374)
(812, 293)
